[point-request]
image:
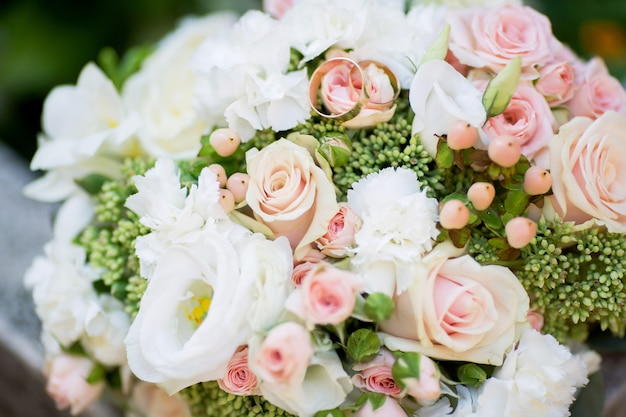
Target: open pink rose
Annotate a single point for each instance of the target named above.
(290, 194)
(491, 37)
(556, 83)
(326, 296)
(340, 234)
(67, 383)
(239, 379)
(391, 408)
(460, 310)
(284, 355)
(150, 400)
(375, 375)
(598, 92)
(588, 171)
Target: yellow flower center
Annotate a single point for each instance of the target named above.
(200, 309)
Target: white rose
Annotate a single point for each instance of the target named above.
(539, 378)
(290, 194)
(398, 228)
(439, 96)
(161, 93)
(427, 319)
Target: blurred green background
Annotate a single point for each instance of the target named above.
(44, 43)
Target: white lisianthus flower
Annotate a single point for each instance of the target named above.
(174, 215)
(465, 405)
(85, 130)
(161, 93)
(242, 76)
(538, 378)
(439, 96)
(105, 331)
(188, 328)
(62, 290)
(399, 225)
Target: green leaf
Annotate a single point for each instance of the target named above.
(96, 375)
(490, 218)
(498, 243)
(406, 366)
(516, 202)
(379, 307)
(471, 374)
(376, 399)
(330, 413)
(459, 237)
(92, 183)
(439, 48)
(445, 156)
(501, 88)
(363, 345)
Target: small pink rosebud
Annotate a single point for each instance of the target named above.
(426, 390)
(391, 408)
(225, 141)
(239, 379)
(454, 215)
(520, 231)
(504, 150)
(227, 200)
(537, 181)
(220, 172)
(238, 185)
(535, 319)
(461, 135)
(481, 195)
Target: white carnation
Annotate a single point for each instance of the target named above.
(105, 331)
(539, 379)
(399, 225)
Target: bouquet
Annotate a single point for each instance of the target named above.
(355, 208)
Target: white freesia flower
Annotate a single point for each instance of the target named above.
(399, 225)
(161, 93)
(85, 130)
(174, 215)
(538, 378)
(439, 96)
(242, 76)
(105, 331)
(62, 290)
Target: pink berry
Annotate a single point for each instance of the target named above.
(225, 141)
(220, 172)
(238, 185)
(461, 135)
(481, 195)
(454, 215)
(227, 200)
(520, 231)
(504, 150)
(537, 181)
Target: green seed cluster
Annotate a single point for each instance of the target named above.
(110, 238)
(206, 399)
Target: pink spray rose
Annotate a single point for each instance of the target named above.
(67, 383)
(340, 234)
(491, 37)
(535, 319)
(529, 119)
(391, 408)
(460, 310)
(426, 389)
(556, 83)
(588, 171)
(284, 355)
(290, 194)
(375, 375)
(277, 8)
(239, 379)
(598, 92)
(326, 296)
(150, 400)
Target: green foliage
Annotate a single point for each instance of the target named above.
(363, 345)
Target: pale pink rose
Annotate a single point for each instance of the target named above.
(391, 408)
(375, 375)
(556, 82)
(426, 389)
(67, 383)
(597, 92)
(528, 118)
(150, 400)
(328, 295)
(239, 379)
(290, 194)
(284, 355)
(277, 8)
(491, 37)
(588, 171)
(339, 237)
(339, 93)
(460, 310)
(535, 319)
(300, 271)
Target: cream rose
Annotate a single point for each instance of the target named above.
(460, 310)
(290, 194)
(588, 173)
(339, 237)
